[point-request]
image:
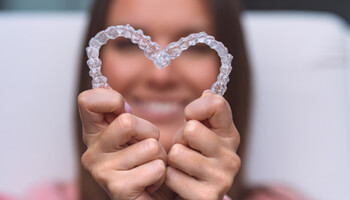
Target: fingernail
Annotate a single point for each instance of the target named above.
(127, 108)
(206, 92)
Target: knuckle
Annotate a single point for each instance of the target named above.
(126, 120)
(86, 160)
(116, 189)
(99, 174)
(118, 98)
(118, 103)
(175, 153)
(160, 167)
(205, 195)
(202, 196)
(152, 146)
(237, 162)
(83, 97)
(190, 128)
(187, 109)
(224, 181)
(218, 102)
(232, 160)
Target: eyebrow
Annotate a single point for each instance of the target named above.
(144, 30)
(183, 33)
(187, 31)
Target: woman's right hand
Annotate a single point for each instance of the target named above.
(123, 153)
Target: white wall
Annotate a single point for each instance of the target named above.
(300, 133)
(300, 130)
(39, 56)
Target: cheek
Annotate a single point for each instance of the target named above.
(121, 71)
(209, 73)
(201, 74)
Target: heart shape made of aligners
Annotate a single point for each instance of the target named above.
(161, 58)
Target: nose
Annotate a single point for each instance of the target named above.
(161, 79)
(165, 78)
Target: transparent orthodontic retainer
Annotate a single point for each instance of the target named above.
(152, 50)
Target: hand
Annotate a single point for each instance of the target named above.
(203, 161)
(123, 153)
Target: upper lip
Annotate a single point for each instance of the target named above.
(165, 99)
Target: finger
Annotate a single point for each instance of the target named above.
(153, 188)
(131, 184)
(148, 174)
(144, 196)
(92, 106)
(189, 161)
(202, 139)
(188, 187)
(213, 108)
(184, 185)
(138, 154)
(126, 128)
(109, 117)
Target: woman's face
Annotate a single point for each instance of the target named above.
(160, 96)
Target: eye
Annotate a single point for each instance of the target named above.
(124, 45)
(200, 49)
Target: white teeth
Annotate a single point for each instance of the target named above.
(162, 107)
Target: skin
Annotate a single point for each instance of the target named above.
(150, 154)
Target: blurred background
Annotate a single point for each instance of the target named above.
(340, 7)
(299, 53)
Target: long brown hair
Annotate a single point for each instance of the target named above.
(226, 15)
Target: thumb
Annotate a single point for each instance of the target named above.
(96, 104)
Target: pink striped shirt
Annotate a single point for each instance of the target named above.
(69, 191)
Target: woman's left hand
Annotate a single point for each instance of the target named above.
(203, 161)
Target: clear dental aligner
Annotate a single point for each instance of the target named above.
(161, 58)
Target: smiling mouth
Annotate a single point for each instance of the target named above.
(162, 107)
(158, 110)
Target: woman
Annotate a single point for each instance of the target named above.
(195, 160)
(150, 152)
(153, 153)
